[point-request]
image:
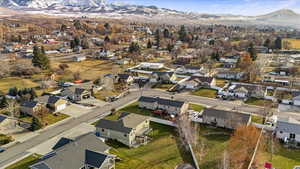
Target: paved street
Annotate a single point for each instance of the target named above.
(19, 150)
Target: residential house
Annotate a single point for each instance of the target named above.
(244, 90)
(84, 152)
(196, 82)
(122, 61)
(130, 129)
(105, 54)
(163, 77)
(296, 100)
(30, 107)
(172, 107)
(188, 70)
(148, 65)
(231, 75)
(125, 78)
(54, 103)
(230, 63)
(76, 94)
(79, 58)
(288, 130)
(225, 119)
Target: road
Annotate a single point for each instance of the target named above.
(19, 150)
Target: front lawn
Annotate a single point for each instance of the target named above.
(48, 119)
(257, 119)
(134, 108)
(221, 83)
(215, 141)
(211, 93)
(163, 86)
(25, 163)
(163, 152)
(196, 107)
(4, 139)
(258, 102)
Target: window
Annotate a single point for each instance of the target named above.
(292, 136)
(103, 130)
(125, 135)
(281, 132)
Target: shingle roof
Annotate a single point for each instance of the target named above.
(202, 79)
(288, 126)
(2, 118)
(72, 155)
(230, 115)
(30, 104)
(79, 91)
(125, 124)
(123, 76)
(48, 99)
(63, 141)
(161, 101)
(94, 159)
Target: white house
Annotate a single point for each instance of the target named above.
(288, 129)
(79, 58)
(148, 65)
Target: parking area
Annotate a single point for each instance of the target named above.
(92, 101)
(75, 110)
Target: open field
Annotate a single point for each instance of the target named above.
(210, 93)
(196, 107)
(25, 163)
(163, 152)
(257, 119)
(7, 83)
(290, 43)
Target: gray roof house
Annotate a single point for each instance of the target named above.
(84, 152)
(162, 77)
(170, 106)
(288, 129)
(130, 129)
(226, 119)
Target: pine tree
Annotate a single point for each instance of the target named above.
(36, 124)
(157, 38)
(33, 94)
(277, 43)
(3, 102)
(149, 44)
(252, 51)
(267, 43)
(166, 33)
(39, 58)
(182, 33)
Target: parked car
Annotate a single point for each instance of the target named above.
(2, 150)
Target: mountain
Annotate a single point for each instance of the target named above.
(101, 8)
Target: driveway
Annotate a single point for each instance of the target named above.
(75, 110)
(92, 101)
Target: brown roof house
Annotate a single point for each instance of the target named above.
(130, 129)
(54, 103)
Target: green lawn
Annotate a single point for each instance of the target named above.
(162, 152)
(49, 119)
(284, 158)
(257, 119)
(134, 108)
(258, 102)
(211, 93)
(25, 163)
(4, 139)
(221, 82)
(163, 86)
(196, 107)
(215, 145)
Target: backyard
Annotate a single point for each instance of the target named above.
(215, 141)
(210, 93)
(163, 152)
(25, 163)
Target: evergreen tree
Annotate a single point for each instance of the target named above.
(13, 91)
(215, 56)
(166, 33)
(39, 58)
(252, 51)
(77, 41)
(134, 47)
(278, 43)
(170, 47)
(267, 43)
(149, 44)
(3, 102)
(182, 34)
(33, 94)
(36, 124)
(107, 39)
(157, 38)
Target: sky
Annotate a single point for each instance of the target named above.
(236, 7)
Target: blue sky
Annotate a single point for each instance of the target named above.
(243, 7)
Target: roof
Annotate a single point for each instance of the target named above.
(48, 99)
(79, 91)
(192, 67)
(288, 125)
(63, 141)
(163, 73)
(2, 118)
(125, 124)
(202, 79)
(161, 101)
(236, 116)
(73, 155)
(123, 76)
(94, 159)
(30, 104)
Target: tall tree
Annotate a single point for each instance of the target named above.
(149, 44)
(39, 58)
(278, 43)
(166, 33)
(157, 38)
(182, 34)
(252, 51)
(267, 43)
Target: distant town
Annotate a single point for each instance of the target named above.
(82, 93)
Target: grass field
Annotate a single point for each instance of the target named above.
(215, 144)
(163, 152)
(4, 139)
(7, 83)
(163, 86)
(257, 119)
(258, 102)
(211, 93)
(221, 82)
(196, 107)
(49, 119)
(290, 43)
(25, 163)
